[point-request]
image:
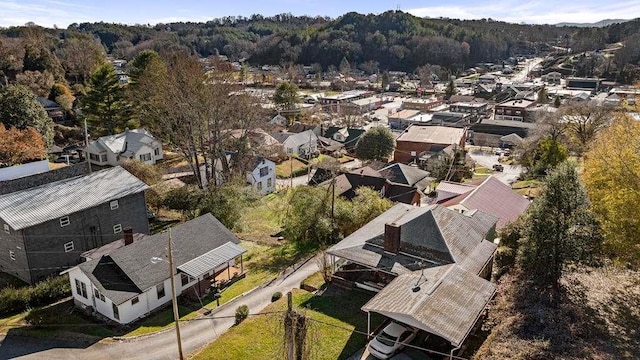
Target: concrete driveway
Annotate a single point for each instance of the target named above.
(195, 334)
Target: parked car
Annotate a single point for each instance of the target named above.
(498, 167)
(391, 339)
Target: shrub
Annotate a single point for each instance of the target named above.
(276, 296)
(15, 300)
(147, 173)
(242, 312)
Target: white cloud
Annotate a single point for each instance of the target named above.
(45, 13)
(536, 12)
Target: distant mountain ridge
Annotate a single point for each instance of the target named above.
(601, 23)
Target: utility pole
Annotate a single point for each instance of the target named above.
(309, 164)
(291, 169)
(174, 298)
(86, 144)
(289, 327)
(333, 204)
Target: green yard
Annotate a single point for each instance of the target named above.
(530, 188)
(261, 336)
(288, 167)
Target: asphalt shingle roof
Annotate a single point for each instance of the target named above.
(434, 234)
(404, 174)
(128, 271)
(33, 206)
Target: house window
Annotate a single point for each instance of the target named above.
(160, 291)
(117, 228)
(94, 157)
(81, 288)
(6, 229)
(135, 300)
(98, 294)
(113, 204)
(64, 221)
(103, 158)
(264, 171)
(259, 184)
(12, 255)
(145, 157)
(68, 246)
(156, 152)
(269, 182)
(116, 313)
(185, 279)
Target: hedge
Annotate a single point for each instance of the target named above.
(16, 300)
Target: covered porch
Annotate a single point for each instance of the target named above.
(219, 268)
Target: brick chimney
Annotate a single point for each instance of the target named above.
(392, 238)
(128, 236)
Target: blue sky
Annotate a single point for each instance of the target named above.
(64, 12)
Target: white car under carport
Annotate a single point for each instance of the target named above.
(391, 339)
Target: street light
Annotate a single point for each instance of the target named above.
(174, 299)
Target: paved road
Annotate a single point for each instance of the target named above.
(510, 173)
(195, 334)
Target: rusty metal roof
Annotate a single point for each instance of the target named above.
(445, 301)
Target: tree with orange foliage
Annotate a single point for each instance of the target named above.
(20, 146)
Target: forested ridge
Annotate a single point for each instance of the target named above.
(393, 40)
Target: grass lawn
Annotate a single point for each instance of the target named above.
(173, 162)
(264, 219)
(476, 176)
(285, 168)
(260, 337)
(529, 188)
(482, 171)
(161, 320)
(314, 280)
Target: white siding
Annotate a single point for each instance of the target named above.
(77, 274)
(254, 177)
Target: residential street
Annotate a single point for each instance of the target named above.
(195, 334)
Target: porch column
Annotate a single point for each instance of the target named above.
(368, 325)
(241, 265)
(228, 271)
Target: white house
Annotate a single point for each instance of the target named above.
(299, 144)
(128, 283)
(262, 175)
(136, 144)
(259, 172)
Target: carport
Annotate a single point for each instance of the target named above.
(445, 301)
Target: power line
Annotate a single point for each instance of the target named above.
(383, 337)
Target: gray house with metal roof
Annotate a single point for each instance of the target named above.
(45, 228)
(125, 284)
(427, 265)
